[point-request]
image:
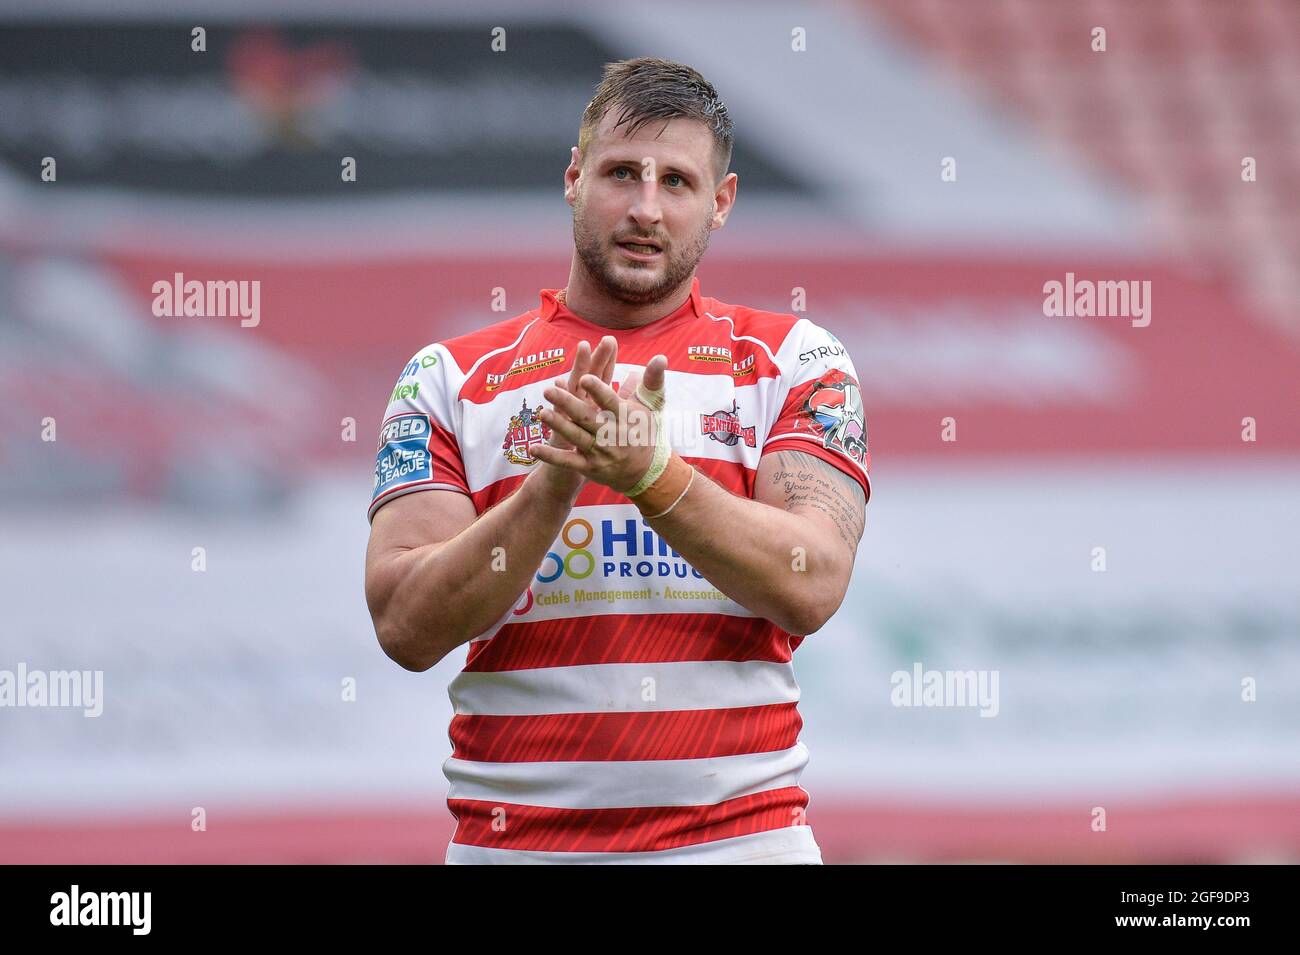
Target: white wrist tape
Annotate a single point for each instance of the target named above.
(654, 400)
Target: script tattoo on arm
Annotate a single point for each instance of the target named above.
(806, 481)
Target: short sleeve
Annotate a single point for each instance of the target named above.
(418, 449)
(820, 410)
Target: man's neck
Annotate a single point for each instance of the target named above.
(582, 298)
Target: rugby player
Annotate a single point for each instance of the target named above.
(631, 538)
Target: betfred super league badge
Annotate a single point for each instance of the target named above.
(525, 430)
(402, 455)
(835, 408)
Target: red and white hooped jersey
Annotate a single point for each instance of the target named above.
(625, 710)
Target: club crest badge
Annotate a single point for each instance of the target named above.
(725, 426)
(834, 409)
(525, 430)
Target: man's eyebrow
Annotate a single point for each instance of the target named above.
(689, 174)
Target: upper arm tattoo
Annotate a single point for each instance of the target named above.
(805, 480)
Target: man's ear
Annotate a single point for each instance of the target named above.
(572, 173)
(724, 200)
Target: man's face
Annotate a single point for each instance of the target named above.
(657, 188)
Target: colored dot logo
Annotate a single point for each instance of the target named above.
(579, 563)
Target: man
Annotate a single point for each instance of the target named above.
(632, 549)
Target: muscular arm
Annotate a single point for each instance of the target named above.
(434, 576)
(787, 555)
(437, 576)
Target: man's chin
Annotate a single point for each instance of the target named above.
(639, 276)
(638, 285)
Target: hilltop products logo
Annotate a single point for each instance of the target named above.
(633, 552)
(62, 688)
(102, 908)
(526, 363)
(725, 427)
(579, 562)
(834, 408)
(525, 430)
(1085, 299)
(211, 299)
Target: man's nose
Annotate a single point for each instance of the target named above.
(646, 210)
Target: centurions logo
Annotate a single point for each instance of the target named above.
(725, 426)
(524, 364)
(525, 430)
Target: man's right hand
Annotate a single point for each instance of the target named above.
(567, 484)
(422, 599)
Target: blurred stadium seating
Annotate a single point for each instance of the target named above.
(1184, 91)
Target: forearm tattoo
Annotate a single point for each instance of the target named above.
(808, 481)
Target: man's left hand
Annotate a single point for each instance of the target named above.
(614, 441)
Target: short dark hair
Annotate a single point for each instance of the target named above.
(649, 88)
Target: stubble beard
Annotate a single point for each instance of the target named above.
(629, 287)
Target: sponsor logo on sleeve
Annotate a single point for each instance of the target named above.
(525, 430)
(402, 390)
(833, 409)
(402, 455)
(725, 427)
(415, 364)
(823, 352)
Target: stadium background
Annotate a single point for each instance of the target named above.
(1120, 689)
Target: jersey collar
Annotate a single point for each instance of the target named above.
(555, 311)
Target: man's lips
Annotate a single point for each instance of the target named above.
(640, 250)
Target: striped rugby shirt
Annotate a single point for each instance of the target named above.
(624, 710)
